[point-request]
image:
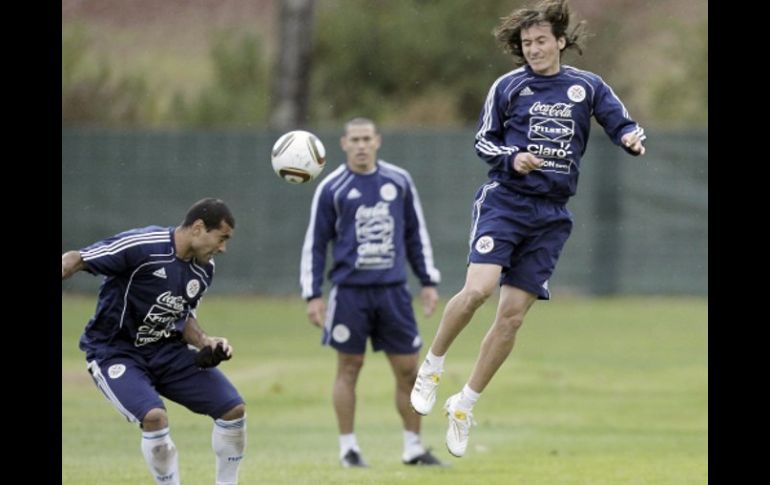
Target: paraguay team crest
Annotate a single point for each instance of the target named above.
(193, 287)
(576, 93)
(341, 333)
(388, 192)
(116, 370)
(485, 244)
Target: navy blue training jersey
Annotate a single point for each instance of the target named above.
(550, 117)
(376, 223)
(147, 293)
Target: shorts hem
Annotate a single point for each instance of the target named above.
(539, 291)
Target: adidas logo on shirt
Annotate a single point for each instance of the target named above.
(161, 273)
(526, 92)
(354, 194)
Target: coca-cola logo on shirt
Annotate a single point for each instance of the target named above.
(556, 110)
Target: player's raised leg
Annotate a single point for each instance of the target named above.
(480, 282)
(495, 348)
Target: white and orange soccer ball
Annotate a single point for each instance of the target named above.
(298, 157)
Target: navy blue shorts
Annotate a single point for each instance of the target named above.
(134, 383)
(523, 234)
(384, 313)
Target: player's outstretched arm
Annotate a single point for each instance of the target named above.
(71, 263)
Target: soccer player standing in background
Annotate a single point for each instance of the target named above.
(136, 344)
(370, 211)
(533, 131)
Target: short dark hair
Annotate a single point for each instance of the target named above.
(211, 211)
(359, 121)
(555, 12)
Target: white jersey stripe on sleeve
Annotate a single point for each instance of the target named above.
(306, 261)
(124, 243)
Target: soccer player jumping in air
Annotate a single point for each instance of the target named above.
(532, 134)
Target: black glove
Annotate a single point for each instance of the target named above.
(208, 357)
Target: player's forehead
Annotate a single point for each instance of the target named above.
(538, 30)
(224, 230)
(363, 130)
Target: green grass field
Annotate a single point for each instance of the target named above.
(597, 391)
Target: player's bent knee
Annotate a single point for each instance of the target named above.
(237, 412)
(475, 297)
(507, 327)
(155, 419)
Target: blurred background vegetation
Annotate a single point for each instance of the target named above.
(423, 63)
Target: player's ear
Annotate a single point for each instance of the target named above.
(199, 227)
(561, 42)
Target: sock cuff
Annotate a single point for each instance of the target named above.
(223, 424)
(434, 361)
(471, 393)
(157, 434)
(348, 442)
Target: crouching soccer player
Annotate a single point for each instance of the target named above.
(137, 343)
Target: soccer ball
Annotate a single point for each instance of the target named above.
(298, 157)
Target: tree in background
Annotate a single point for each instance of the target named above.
(291, 77)
(238, 94)
(92, 92)
(403, 62)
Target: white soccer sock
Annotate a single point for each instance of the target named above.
(161, 456)
(228, 439)
(412, 445)
(433, 362)
(468, 397)
(348, 442)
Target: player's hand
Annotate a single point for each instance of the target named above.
(429, 297)
(633, 141)
(316, 310)
(215, 342)
(215, 350)
(525, 162)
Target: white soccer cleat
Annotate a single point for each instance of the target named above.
(460, 422)
(423, 395)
